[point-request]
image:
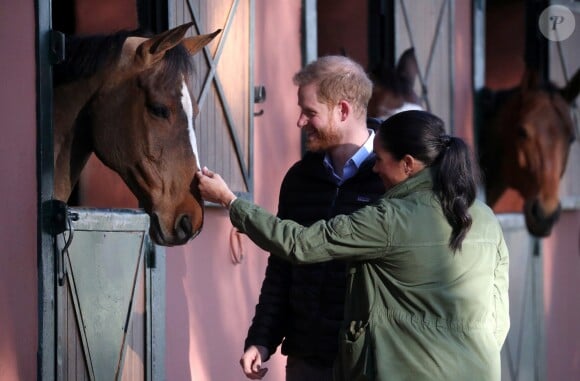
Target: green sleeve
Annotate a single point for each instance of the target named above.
(501, 299)
(359, 236)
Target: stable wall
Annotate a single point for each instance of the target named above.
(18, 273)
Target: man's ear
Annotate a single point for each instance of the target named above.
(345, 109)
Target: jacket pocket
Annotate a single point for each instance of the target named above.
(355, 358)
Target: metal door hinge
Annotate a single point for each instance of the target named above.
(57, 47)
(60, 223)
(259, 97)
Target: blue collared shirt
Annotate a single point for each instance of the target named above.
(353, 164)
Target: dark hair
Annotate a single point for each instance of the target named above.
(455, 177)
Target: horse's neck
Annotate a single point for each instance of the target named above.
(72, 146)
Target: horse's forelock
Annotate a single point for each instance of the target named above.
(176, 65)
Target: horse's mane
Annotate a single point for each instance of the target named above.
(86, 55)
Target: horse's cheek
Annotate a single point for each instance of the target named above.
(522, 160)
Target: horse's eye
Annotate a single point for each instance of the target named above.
(158, 110)
(521, 132)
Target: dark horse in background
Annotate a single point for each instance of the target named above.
(524, 144)
(393, 90)
(128, 100)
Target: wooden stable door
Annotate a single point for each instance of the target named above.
(106, 309)
(223, 85)
(427, 26)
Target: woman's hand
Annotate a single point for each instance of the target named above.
(213, 188)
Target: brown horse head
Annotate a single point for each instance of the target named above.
(536, 130)
(136, 113)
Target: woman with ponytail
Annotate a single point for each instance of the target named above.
(427, 294)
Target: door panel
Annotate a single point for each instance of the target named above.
(522, 355)
(428, 27)
(103, 311)
(222, 85)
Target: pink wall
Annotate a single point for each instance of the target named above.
(18, 276)
(210, 301)
(342, 25)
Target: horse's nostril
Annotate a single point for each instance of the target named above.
(183, 228)
(155, 229)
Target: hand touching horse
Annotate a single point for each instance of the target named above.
(128, 100)
(524, 145)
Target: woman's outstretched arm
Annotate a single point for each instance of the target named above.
(359, 236)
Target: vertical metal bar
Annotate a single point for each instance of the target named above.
(46, 359)
(478, 49)
(478, 59)
(309, 43)
(309, 32)
(155, 310)
(538, 309)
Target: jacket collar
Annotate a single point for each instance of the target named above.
(422, 180)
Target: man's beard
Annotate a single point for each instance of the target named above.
(324, 138)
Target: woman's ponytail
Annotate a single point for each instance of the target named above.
(456, 186)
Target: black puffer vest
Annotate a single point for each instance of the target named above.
(303, 304)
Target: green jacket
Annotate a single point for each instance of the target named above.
(414, 309)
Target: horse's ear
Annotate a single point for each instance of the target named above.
(407, 66)
(153, 49)
(408, 69)
(572, 88)
(530, 80)
(196, 43)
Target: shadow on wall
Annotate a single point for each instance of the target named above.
(212, 302)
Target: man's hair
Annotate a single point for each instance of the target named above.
(338, 78)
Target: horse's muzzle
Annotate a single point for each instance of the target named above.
(179, 234)
(539, 223)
